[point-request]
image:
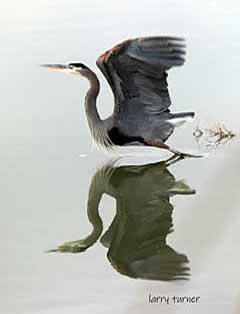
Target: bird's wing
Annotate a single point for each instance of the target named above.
(136, 69)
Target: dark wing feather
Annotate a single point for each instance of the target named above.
(136, 69)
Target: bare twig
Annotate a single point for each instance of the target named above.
(218, 135)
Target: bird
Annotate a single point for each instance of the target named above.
(137, 238)
(136, 71)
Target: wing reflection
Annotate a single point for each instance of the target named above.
(136, 238)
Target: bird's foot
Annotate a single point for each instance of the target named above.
(160, 144)
(183, 155)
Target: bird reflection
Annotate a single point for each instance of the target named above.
(136, 238)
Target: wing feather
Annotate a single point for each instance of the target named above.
(137, 69)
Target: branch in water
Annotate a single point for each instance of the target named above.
(215, 136)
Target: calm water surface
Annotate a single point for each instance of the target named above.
(153, 222)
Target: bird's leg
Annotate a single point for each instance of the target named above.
(160, 144)
(172, 160)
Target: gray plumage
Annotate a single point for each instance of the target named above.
(136, 71)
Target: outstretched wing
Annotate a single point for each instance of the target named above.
(136, 69)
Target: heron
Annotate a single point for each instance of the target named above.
(137, 238)
(136, 71)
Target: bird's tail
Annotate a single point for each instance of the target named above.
(177, 119)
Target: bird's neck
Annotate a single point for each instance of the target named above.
(94, 198)
(91, 98)
(97, 126)
(95, 195)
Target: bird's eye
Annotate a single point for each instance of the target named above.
(71, 66)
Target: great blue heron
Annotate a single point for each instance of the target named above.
(136, 72)
(137, 238)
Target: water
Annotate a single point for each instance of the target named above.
(47, 165)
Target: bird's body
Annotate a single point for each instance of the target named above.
(136, 71)
(137, 238)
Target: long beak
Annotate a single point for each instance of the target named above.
(57, 67)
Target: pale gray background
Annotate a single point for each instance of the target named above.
(44, 180)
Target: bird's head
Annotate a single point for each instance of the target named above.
(71, 67)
